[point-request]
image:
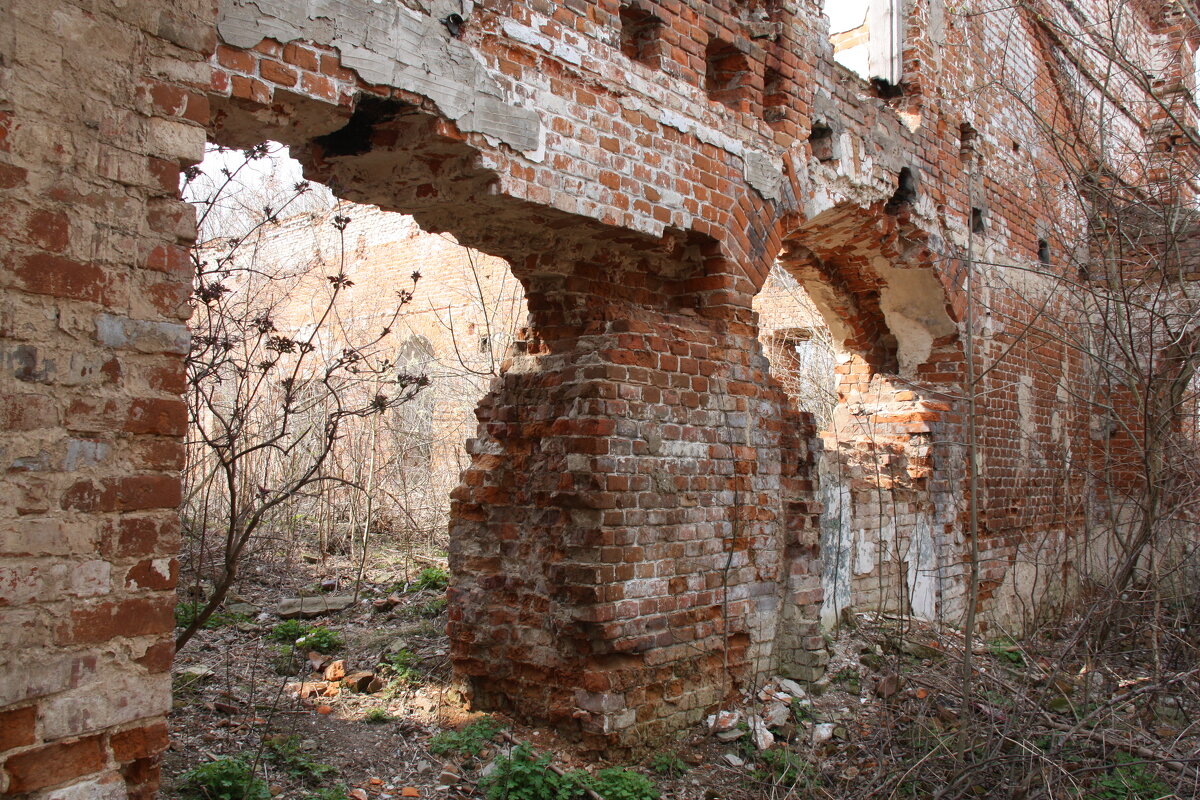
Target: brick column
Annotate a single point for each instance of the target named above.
(102, 105)
(636, 530)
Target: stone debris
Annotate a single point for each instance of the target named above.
(196, 672)
(733, 761)
(226, 707)
(386, 603)
(776, 714)
(822, 732)
(763, 738)
(364, 681)
(309, 607)
(245, 609)
(724, 720)
(448, 777)
(888, 685)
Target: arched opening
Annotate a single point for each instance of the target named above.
(628, 451)
(799, 345)
(883, 350)
(317, 316)
(275, 244)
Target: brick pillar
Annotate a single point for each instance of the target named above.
(101, 106)
(637, 525)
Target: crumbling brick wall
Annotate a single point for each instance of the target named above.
(101, 106)
(639, 496)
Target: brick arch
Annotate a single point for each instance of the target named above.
(888, 457)
(877, 283)
(634, 539)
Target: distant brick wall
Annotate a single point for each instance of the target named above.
(467, 311)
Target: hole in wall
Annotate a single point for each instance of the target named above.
(978, 220)
(905, 194)
(885, 89)
(727, 77)
(775, 99)
(850, 34)
(641, 33)
(1043, 252)
(820, 139)
(355, 137)
(967, 136)
(867, 39)
(798, 344)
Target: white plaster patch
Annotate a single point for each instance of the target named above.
(389, 44)
(1025, 412)
(110, 787)
(117, 699)
(922, 570)
(914, 306)
(864, 554)
(836, 544)
(764, 173)
(83, 453)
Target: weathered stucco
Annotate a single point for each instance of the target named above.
(392, 45)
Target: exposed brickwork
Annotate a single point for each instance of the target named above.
(102, 106)
(640, 498)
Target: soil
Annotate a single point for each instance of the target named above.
(883, 722)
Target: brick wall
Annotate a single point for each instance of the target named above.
(639, 494)
(102, 105)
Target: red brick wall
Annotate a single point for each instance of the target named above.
(102, 105)
(633, 153)
(637, 486)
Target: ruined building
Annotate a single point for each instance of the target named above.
(647, 522)
(465, 319)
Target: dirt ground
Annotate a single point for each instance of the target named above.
(887, 721)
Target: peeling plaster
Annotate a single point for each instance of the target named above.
(1025, 411)
(764, 173)
(864, 551)
(923, 570)
(914, 306)
(389, 44)
(836, 544)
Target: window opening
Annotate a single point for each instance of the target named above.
(867, 39)
(821, 141)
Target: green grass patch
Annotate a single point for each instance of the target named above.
(186, 613)
(224, 779)
(524, 775)
(470, 740)
(306, 637)
(668, 764)
(1129, 780)
(434, 578)
(285, 752)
